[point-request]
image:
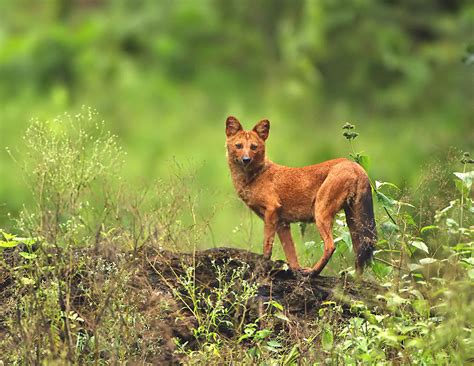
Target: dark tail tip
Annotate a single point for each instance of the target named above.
(365, 254)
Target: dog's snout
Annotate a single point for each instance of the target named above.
(246, 160)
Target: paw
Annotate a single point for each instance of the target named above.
(300, 270)
(308, 272)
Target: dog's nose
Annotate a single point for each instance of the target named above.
(246, 160)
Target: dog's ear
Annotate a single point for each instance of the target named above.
(232, 126)
(262, 129)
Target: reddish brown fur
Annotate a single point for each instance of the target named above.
(281, 195)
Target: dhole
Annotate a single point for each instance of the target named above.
(281, 195)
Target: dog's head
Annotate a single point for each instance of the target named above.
(246, 148)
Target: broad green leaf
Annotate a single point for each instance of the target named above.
(466, 178)
(380, 269)
(262, 334)
(389, 227)
(275, 304)
(384, 200)
(420, 245)
(8, 244)
(364, 161)
(469, 261)
(327, 339)
(274, 344)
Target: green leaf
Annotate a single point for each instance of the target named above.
(466, 178)
(28, 255)
(470, 273)
(469, 260)
(409, 219)
(461, 187)
(401, 203)
(364, 161)
(262, 334)
(379, 184)
(274, 344)
(243, 337)
(428, 228)
(389, 227)
(380, 269)
(419, 245)
(281, 316)
(327, 339)
(27, 281)
(292, 356)
(8, 244)
(384, 200)
(27, 241)
(6, 235)
(451, 223)
(275, 304)
(421, 306)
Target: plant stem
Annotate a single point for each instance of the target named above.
(462, 198)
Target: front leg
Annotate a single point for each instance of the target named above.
(284, 233)
(270, 219)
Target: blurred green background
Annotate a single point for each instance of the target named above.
(164, 75)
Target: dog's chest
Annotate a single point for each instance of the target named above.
(250, 194)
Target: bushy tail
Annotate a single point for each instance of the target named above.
(361, 221)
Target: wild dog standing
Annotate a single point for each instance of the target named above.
(281, 195)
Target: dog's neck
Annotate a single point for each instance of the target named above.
(243, 176)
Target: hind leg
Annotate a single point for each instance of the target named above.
(324, 224)
(284, 233)
(355, 237)
(330, 199)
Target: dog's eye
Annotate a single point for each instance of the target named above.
(239, 146)
(253, 147)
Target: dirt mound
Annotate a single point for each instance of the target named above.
(298, 293)
(158, 289)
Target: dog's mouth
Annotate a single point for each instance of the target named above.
(244, 164)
